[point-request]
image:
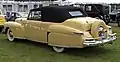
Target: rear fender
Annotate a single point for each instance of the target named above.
(63, 29)
(64, 36)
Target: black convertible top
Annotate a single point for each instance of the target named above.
(57, 13)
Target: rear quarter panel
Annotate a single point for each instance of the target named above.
(63, 36)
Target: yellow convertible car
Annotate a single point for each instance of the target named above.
(61, 27)
(2, 20)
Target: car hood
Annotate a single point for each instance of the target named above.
(23, 18)
(81, 23)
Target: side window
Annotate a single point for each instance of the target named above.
(34, 15)
(88, 8)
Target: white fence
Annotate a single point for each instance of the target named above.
(23, 7)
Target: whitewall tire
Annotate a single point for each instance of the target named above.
(58, 49)
(10, 35)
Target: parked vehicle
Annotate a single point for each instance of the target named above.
(100, 11)
(11, 16)
(61, 27)
(115, 16)
(2, 20)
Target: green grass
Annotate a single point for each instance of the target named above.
(27, 51)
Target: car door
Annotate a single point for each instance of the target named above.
(33, 27)
(44, 29)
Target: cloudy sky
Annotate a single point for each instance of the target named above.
(95, 1)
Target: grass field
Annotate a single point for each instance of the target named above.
(27, 51)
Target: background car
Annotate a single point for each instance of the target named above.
(11, 16)
(115, 16)
(61, 27)
(100, 11)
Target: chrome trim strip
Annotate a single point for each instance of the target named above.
(31, 40)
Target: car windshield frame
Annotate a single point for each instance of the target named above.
(31, 14)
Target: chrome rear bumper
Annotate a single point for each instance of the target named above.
(93, 42)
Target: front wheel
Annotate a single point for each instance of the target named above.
(107, 19)
(118, 21)
(58, 49)
(10, 35)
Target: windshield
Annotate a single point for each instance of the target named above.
(34, 15)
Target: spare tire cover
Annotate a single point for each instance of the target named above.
(95, 26)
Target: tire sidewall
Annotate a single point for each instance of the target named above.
(58, 49)
(8, 35)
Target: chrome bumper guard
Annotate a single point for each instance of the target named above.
(93, 42)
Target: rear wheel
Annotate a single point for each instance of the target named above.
(58, 49)
(10, 35)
